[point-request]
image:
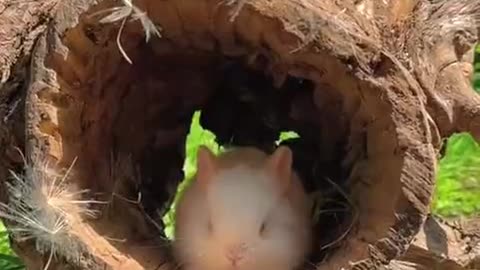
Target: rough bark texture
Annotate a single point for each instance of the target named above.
(444, 245)
(385, 83)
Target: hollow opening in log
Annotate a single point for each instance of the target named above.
(146, 109)
(126, 124)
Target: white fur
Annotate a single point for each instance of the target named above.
(238, 201)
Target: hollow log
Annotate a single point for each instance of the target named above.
(372, 88)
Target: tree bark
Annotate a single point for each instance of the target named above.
(444, 245)
(389, 81)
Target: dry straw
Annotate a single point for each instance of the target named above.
(122, 13)
(237, 7)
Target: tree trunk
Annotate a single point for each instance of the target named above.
(371, 87)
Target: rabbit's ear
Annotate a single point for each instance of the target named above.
(206, 165)
(279, 167)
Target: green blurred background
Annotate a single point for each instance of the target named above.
(458, 180)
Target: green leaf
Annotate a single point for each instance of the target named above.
(10, 258)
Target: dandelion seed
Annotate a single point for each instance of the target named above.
(42, 207)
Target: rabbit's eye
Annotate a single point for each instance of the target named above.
(263, 227)
(210, 226)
